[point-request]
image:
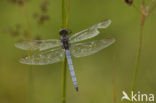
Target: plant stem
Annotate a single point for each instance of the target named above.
(65, 61)
(64, 81)
(68, 14)
(65, 24)
(113, 87)
(142, 21)
(63, 14)
(30, 74)
(27, 21)
(153, 8)
(30, 70)
(113, 77)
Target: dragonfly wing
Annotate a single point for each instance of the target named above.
(37, 44)
(44, 57)
(71, 68)
(88, 48)
(90, 32)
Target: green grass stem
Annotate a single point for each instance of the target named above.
(65, 24)
(30, 70)
(136, 69)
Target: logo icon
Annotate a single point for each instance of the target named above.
(137, 97)
(125, 96)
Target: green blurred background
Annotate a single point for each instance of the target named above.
(19, 82)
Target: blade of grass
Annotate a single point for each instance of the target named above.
(63, 13)
(68, 14)
(30, 74)
(27, 21)
(113, 87)
(114, 67)
(65, 24)
(65, 61)
(30, 80)
(64, 81)
(136, 69)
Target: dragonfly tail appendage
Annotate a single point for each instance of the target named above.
(71, 68)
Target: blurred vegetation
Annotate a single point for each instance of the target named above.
(41, 19)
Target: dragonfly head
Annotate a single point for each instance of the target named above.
(64, 32)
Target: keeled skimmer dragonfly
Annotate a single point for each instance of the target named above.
(53, 50)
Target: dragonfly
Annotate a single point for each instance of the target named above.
(53, 50)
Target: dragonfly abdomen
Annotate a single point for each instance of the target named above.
(71, 68)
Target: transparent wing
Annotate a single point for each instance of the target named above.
(88, 48)
(90, 32)
(44, 57)
(37, 44)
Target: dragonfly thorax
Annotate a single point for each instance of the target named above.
(65, 42)
(64, 38)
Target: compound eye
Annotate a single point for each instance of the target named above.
(63, 31)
